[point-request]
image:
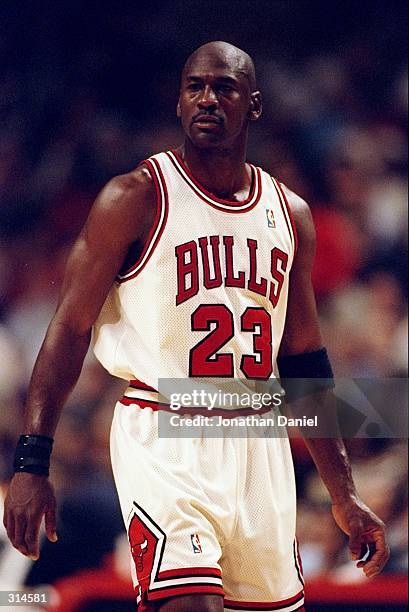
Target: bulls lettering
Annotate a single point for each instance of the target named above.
(216, 266)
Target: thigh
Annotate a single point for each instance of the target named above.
(260, 565)
(174, 541)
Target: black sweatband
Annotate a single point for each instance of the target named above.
(33, 454)
(305, 373)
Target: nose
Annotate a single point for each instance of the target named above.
(208, 99)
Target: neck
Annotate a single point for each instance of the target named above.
(223, 172)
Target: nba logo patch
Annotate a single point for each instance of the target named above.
(197, 547)
(270, 218)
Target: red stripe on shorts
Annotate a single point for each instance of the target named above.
(185, 589)
(258, 605)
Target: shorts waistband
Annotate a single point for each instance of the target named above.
(149, 399)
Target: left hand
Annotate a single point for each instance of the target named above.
(363, 527)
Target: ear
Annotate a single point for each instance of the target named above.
(178, 110)
(256, 106)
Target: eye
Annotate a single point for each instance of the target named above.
(225, 89)
(193, 87)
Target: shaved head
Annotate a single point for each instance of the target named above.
(218, 97)
(227, 55)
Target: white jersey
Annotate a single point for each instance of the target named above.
(208, 295)
(206, 300)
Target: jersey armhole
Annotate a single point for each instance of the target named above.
(158, 226)
(288, 215)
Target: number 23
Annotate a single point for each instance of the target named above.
(204, 360)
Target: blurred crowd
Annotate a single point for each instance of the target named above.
(334, 130)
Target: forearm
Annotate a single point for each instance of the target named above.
(56, 372)
(325, 444)
(331, 460)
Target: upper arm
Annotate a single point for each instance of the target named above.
(122, 213)
(301, 332)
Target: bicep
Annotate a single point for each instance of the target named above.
(117, 218)
(88, 277)
(302, 331)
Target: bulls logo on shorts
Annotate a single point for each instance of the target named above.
(146, 541)
(138, 550)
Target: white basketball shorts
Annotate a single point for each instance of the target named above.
(207, 515)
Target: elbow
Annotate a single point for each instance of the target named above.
(74, 327)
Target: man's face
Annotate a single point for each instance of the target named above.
(215, 102)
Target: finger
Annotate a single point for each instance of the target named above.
(32, 537)
(374, 571)
(355, 541)
(8, 522)
(51, 525)
(372, 550)
(375, 558)
(19, 533)
(5, 513)
(375, 566)
(376, 563)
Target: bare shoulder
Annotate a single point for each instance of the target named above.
(124, 208)
(135, 186)
(300, 210)
(301, 213)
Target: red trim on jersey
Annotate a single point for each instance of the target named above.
(286, 216)
(290, 214)
(186, 589)
(298, 562)
(208, 193)
(155, 223)
(298, 555)
(193, 410)
(160, 205)
(138, 384)
(142, 403)
(255, 605)
(190, 571)
(200, 191)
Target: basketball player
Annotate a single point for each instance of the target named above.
(183, 268)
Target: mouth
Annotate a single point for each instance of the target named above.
(206, 120)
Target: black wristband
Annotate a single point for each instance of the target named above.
(33, 454)
(305, 374)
